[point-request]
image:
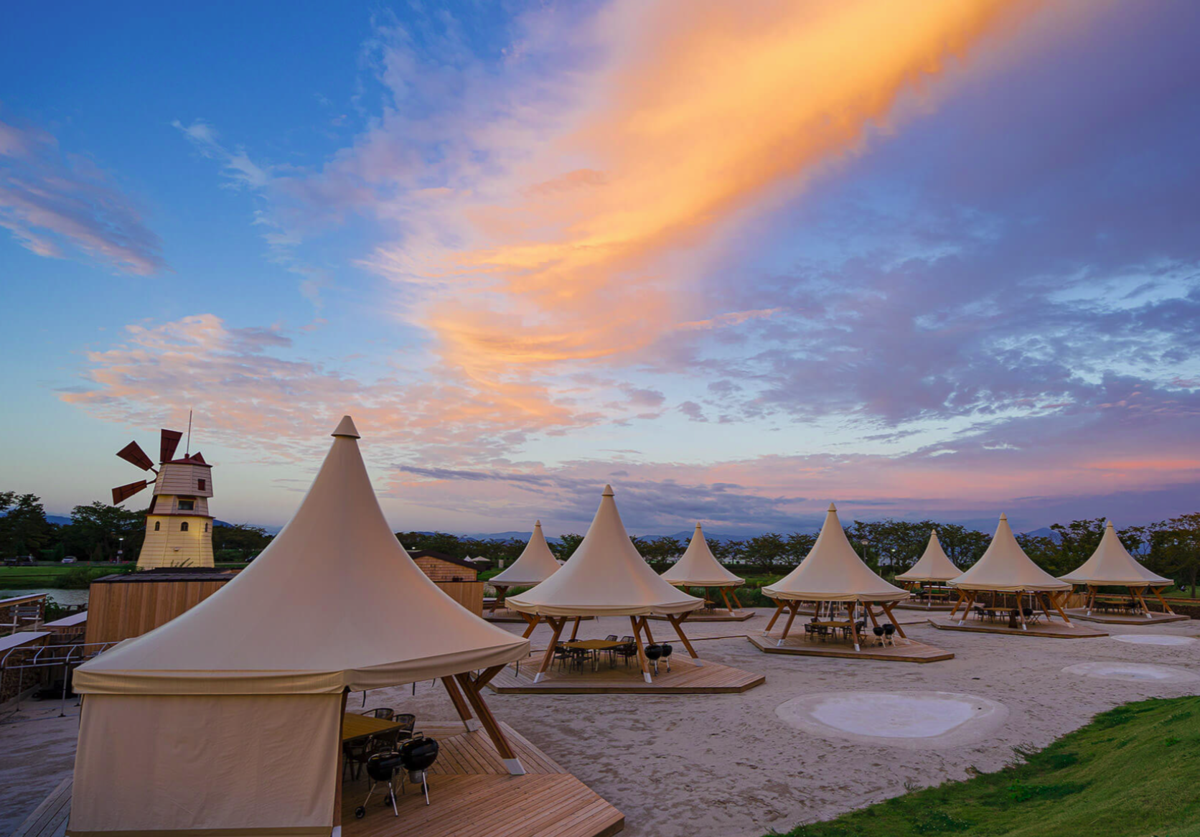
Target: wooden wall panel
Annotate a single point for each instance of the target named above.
(469, 594)
(120, 610)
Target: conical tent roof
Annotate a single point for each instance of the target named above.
(1111, 564)
(535, 564)
(333, 602)
(1005, 568)
(699, 567)
(833, 572)
(605, 577)
(934, 565)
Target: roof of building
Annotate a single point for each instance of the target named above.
(442, 556)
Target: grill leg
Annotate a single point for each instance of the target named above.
(392, 797)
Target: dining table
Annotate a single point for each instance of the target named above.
(355, 726)
(594, 647)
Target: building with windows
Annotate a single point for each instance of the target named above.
(178, 525)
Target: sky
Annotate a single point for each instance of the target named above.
(738, 260)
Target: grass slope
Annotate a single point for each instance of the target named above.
(1132, 772)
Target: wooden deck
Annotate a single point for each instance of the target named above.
(1155, 618)
(685, 678)
(503, 614)
(905, 651)
(1054, 629)
(50, 818)
(471, 794)
(720, 615)
(935, 607)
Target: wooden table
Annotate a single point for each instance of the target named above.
(356, 726)
(595, 646)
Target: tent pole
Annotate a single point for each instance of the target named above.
(1054, 601)
(533, 623)
(962, 594)
(1041, 597)
(558, 625)
(728, 604)
(887, 608)
(1157, 591)
(646, 628)
(490, 725)
(460, 705)
(778, 610)
(637, 637)
(969, 595)
(1138, 593)
(795, 606)
(575, 629)
(736, 600)
(499, 600)
(676, 624)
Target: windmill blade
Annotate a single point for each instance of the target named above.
(133, 452)
(123, 492)
(167, 444)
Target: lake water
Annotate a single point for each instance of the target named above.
(63, 597)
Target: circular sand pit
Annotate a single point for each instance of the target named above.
(1133, 672)
(1154, 639)
(915, 720)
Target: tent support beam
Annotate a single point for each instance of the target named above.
(472, 687)
(533, 623)
(646, 628)
(778, 610)
(460, 704)
(1041, 597)
(793, 607)
(969, 597)
(1137, 593)
(728, 604)
(677, 624)
(575, 628)
(501, 593)
(1054, 600)
(641, 651)
(736, 600)
(558, 625)
(887, 608)
(1157, 591)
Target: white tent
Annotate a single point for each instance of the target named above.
(227, 719)
(606, 576)
(933, 567)
(535, 564)
(700, 568)
(832, 572)
(1111, 565)
(1005, 568)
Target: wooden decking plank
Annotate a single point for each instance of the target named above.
(684, 678)
(911, 652)
(47, 815)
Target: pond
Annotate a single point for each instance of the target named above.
(63, 597)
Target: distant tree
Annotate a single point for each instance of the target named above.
(963, 546)
(1176, 549)
(727, 552)
(658, 550)
(24, 529)
(96, 530)
(765, 553)
(239, 541)
(799, 544)
(567, 546)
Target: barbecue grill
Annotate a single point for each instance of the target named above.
(413, 758)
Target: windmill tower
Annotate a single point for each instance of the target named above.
(178, 525)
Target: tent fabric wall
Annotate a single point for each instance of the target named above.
(161, 764)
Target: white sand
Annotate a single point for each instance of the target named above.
(1133, 672)
(1154, 639)
(725, 764)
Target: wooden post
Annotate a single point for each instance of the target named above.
(793, 607)
(736, 600)
(646, 628)
(676, 624)
(962, 595)
(1041, 598)
(641, 652)
(1054, 601)
(970, 599)
(887, 608)
(460, 705)
(778, 610)
(1157, 591)
(558, 625)
(533, 623)
(499, 600)
(490, 724)
(575, 629)
(1137, 593)
(728, 604)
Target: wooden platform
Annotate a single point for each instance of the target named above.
(471, 794)
(904, 651)
(1054, 629)
(1155, 617)
(685, 678)
(721, 615)
(910, 604)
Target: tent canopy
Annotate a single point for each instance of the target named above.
(933, 566)
(833, 572)
(535, 564)
(699, 567)
(1112, 565)
(334, 602)
(605, 577)
(1005, 568)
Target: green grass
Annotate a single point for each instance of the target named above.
(1130, 773)
(56, 575)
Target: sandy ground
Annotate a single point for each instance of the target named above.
(728, 764)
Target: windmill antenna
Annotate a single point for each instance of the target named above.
(188, 450)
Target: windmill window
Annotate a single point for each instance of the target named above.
(157, 524)
(200, 483)
(183, 526)
(187, 505)
(205, 527)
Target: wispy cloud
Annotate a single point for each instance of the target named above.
(56, 204)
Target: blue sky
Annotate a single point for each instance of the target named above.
(737, 265)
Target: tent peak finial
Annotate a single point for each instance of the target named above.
(346, 428)
(1109, 526)
(1003, 516)
(608, 492)
(832, 507)
(537, 523)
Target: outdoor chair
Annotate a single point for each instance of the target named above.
(407, 722)
(629, 649)
(382, 713)
(562, 655)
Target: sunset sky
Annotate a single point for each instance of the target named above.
(737, 259)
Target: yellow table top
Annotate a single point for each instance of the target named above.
(594, 644)
(360, 726)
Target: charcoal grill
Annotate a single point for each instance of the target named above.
(412, 760)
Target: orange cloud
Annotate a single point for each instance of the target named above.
(707, 109)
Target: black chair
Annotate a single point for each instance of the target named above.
(382, 713)
(406, 722)
(629, 649)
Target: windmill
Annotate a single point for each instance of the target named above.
(178, 525)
